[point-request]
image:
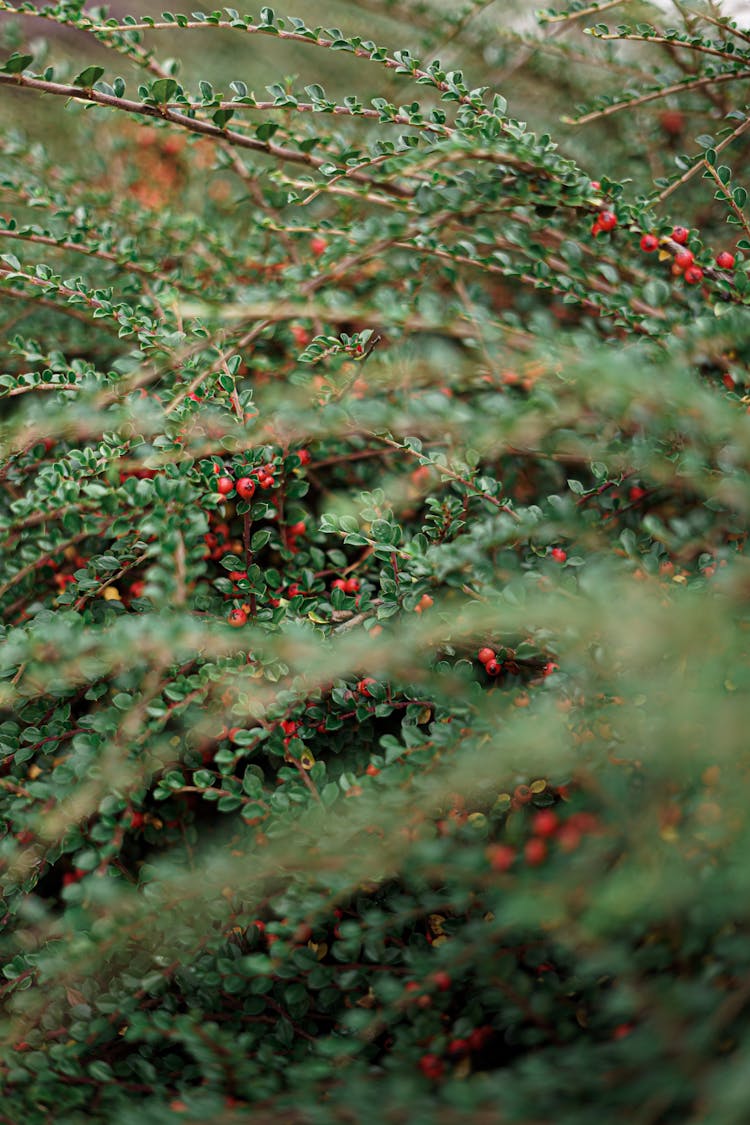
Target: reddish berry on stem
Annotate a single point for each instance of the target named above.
(545, 822)
(558, 554)
(684, 258)
(493, 668)
(649, 243)
(479, 1037)
(485, 655)
(501, 857)
(431, 1066)
(693, 274)
(363, 686)
(457, 1048)
(245, 488)
(680, 234)
(535, 851)
(224, 485)
(607, 220)
(351, 586)
(441, 980)
(237, 618)
(725, 260)
(318, 246)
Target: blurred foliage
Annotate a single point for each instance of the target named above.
(375, 491)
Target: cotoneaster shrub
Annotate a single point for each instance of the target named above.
(374, 589)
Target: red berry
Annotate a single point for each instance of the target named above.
(485, 655)
(545, 822)
(137, 819)
(318, 246)
(636, 492)
(245, 488)
(680, 234)
(301, 335)
(479, 1037)
(693, 274)
(224, 485)
(522, 794)
(441, 980)
(568, 838)
(493, 668)
(304, 456)
(584, 821)
(596, 185)
(649, 243)
(431, 1066)
(607, 220)
(550, 667)
(501, 857)
(684, 258)
(338, 584)
(371, 770)
(351, 586)
(457, 1048)
(237, 618)
(265, 480)
(363, 686)
(725, 260)
(558, 554)
(535, 851)
(672, 122)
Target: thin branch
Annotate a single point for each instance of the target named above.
(675, 88)
(724, 189)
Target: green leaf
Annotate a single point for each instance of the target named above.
(89, 76)
(17, 63)
(163, 90)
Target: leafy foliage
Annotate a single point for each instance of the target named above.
(375, 488)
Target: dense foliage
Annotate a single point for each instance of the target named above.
(374, 594)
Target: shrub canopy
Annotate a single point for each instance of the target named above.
(374, 592)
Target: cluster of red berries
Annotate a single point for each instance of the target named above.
(683, 263)
(432, 1066)
(348, 585)
(605, 221)
(218, 542)
(292, 534)
(245, 487)
(488, 657)
(546, 825)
